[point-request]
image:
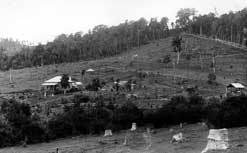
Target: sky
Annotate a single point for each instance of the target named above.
(40, 21)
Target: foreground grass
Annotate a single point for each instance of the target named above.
(196, 135)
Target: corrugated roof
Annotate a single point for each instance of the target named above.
(236, 85)
(90, 70)
(49, 84)
(54, 81)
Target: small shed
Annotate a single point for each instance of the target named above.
(235, 88)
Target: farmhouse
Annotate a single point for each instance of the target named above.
(54, 84)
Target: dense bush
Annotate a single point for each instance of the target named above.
(231, 112)
(126, 115)
(19, 126)
(179, 110)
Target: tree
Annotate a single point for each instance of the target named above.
(177, 46)
(184, 17)
(65, 82)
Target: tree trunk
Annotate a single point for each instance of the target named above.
(213, 63)
(231, 34)
(201, 63)
(178, 57)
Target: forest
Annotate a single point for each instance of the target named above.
(103, 41)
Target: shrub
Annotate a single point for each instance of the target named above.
(167, 59)
(79, 98)
(211, 78)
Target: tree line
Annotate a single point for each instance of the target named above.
(101, 41)
(230, 26)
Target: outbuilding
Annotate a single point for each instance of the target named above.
(235, 88)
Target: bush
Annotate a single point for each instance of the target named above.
(21, 125)
(167, 59)
(6, 135)
(60, 126)
(95, 85)
(179, 110)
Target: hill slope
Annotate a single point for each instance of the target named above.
(167, 78)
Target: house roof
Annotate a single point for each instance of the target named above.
(90, 70)
(236, 85)
(54, 81)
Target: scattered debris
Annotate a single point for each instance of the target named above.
(178, 138)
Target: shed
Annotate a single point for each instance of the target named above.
(234, 89)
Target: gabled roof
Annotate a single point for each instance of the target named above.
(236, 85)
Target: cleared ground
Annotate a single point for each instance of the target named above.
(231, 64)
(195, 134)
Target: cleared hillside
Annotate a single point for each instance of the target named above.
(167, 78)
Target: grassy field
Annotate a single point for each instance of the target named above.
(195, 134)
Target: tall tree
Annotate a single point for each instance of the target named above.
(185, 16)
(177, 46)
(65, 82)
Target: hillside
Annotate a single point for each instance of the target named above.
(164, 78)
